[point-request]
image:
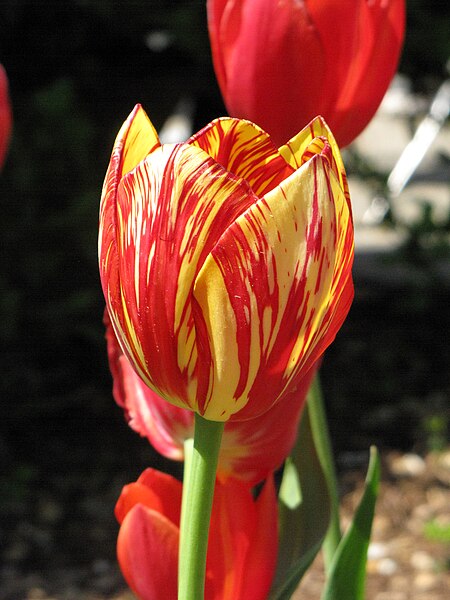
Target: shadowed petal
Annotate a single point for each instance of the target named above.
(154, 489)
(147, 551)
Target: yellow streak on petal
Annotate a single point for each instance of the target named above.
(336, 216)
(299, 149)
(140, 138)
(212, 295)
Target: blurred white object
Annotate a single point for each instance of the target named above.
(179, 126)
(424, 136)
(413, 154)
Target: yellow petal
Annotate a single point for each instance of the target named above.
(308, 143)
(137, 138)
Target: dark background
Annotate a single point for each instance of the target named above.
(76, 69)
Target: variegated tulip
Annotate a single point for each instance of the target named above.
(250, 449)
(5, 115)
(281, 62)
(225, 261)
(242, 549)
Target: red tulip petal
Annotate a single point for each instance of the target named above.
(166, 426)
(249, 450)
(282, 63)
(363, 51)
(155, 490)
(266, 79)
(233, 522)
(147, 551)
(252, 449)
(261, 560)
(242, 548)
(5, 115)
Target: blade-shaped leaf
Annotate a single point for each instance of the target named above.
(304, 511)
(348, 570)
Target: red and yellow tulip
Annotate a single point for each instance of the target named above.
(225, 261)
(250, 449)
(5, 115)
(281, 63)
(242, 549)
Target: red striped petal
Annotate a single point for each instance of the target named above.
(171, 210)
(272, 292)
(245, 150)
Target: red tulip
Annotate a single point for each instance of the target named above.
(250, 449)
(242, 547)
(225, 262)
(281, 63)
(5, 115)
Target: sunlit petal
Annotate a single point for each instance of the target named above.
(277, 275)
(245, 150)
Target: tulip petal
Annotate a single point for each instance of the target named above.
(365, 48)
(155, 490)
(282, 63)
(245, 150)
(256, 49)
(233, 524)
(274, 290)
(243, 547)
(147, 551)
(171, 210)
(262, 559)
(309, 142)
(5, 115)
(250, 449)
(253, 448)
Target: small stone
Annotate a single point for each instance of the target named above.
(422, 561)
(387, 567)
(425, 581)
(376, 551)
(407, 465)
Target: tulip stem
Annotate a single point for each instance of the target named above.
(198, 492)
(321, 435)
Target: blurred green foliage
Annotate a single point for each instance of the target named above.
(76, 70)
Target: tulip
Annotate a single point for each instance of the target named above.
(280, 63)
(5, 115)
(250, 449)
(242, 547)
(225, 262)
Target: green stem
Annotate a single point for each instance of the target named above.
(322, 442)
(198, 492)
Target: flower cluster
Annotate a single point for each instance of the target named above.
(225, 263)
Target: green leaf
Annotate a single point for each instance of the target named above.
(347, 575)
(304, 512)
